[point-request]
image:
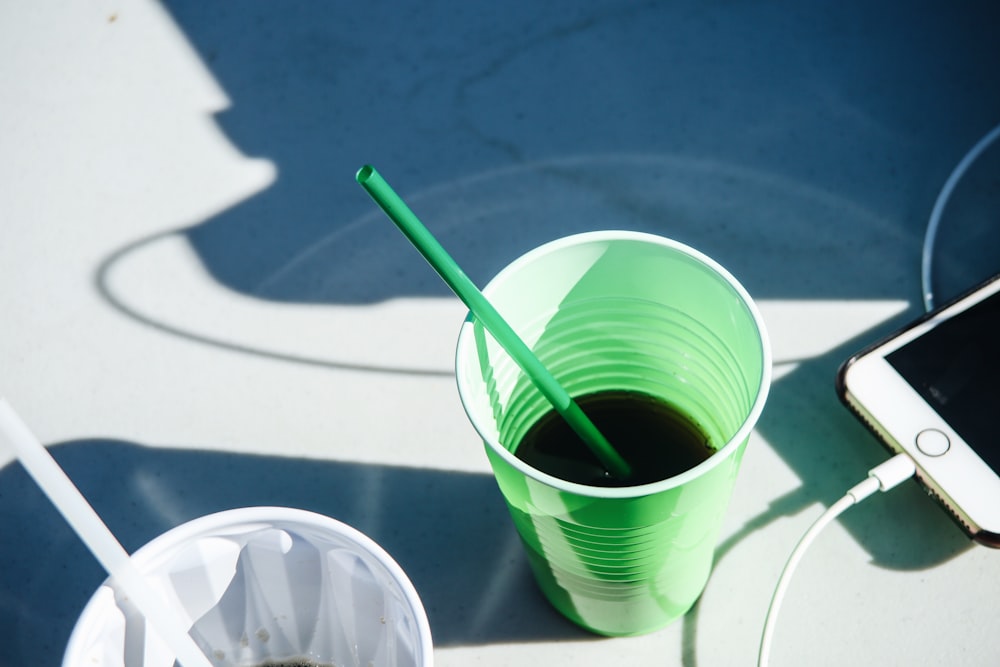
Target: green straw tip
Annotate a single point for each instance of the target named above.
(365, 173)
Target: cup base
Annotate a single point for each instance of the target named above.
(618, 610)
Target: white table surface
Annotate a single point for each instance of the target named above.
(200, 309)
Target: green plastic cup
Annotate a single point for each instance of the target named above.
(618, 310)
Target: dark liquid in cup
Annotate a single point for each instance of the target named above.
(655, 439)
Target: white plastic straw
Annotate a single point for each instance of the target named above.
(98, 538)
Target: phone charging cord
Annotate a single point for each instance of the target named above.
(883, 477)
(930, 235)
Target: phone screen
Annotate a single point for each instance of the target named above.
(955, 367)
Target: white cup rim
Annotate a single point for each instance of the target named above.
(264, 515)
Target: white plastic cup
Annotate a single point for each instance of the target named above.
(261, 584)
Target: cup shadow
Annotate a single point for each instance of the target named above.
(902, 530)
(831, 451)
(449, 531)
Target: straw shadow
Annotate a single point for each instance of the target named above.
(449, 531)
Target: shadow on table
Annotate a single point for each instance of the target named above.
(801, 149)
(745, 110)
(803, 152)
(803, 420)
(831, 451)
(449, 531)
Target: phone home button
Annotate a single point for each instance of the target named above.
(932, 442)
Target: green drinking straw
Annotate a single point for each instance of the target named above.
(466, 290)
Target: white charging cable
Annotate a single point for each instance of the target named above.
(930, 235)
(883, 477)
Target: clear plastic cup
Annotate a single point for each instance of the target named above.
(261, 584)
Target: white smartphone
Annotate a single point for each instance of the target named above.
(932, 390)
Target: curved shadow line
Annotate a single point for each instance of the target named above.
(104, 290)
(562, 167)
